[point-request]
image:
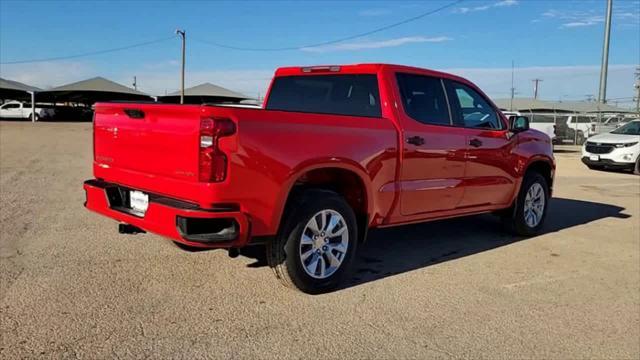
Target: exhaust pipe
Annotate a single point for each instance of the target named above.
(129, 229)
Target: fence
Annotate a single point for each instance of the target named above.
(575, 128)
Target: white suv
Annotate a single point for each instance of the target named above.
(619, 149)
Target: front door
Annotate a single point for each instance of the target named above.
(433, 159)
(489, 171)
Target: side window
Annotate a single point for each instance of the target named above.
(473, 110)
(11, 106)
(423, 99)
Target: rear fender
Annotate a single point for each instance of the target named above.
(324, 163)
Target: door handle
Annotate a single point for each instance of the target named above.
(475, 142)
(415, 140)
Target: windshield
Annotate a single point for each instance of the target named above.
(632, 128)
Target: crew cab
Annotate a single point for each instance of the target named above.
(335, 151)
(20, 110)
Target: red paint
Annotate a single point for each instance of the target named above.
(270, 150)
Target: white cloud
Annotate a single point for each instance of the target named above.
(566, 82)
(623, 15)
(365, 45)
(251, 82)
(506, 3)
(578, 24)
(560, 82)
(48, 74)
(502, 3)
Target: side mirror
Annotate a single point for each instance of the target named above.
(518, 123)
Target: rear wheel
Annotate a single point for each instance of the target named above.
(531, 205)
(316, 246)
(637, 168)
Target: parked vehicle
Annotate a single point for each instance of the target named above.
(19, 110)
(611, 123)
(541, 123)
(336, 150)
(618, 149)
(584, 125)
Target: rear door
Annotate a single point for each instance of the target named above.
(489, 166)
(433, 157)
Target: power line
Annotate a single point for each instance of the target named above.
(98, 52)
(330, 42)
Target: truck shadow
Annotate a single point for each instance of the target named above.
(401, 249)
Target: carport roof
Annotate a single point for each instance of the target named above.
(526, 104)
(15, 85)
(14, 90)
(92, 90)
(97, 84)
(209, 89)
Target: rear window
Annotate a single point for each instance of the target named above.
(353, 95)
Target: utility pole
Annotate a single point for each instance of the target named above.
(513, 89)
(535, 87)
(602, 94)
(637, 86)
(135, 84)
(184, 40)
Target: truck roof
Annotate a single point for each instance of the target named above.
(366, 68)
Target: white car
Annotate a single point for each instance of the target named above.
(19, 110)
(619, 149)
(585, 125)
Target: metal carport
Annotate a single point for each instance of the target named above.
(14, 90)
(204, 93)
(91, 91)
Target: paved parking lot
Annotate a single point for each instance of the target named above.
(72, 287)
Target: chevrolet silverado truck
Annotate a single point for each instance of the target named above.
(333, 152)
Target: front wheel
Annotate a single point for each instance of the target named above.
(531, 205)
(316, 247)
(636, 170)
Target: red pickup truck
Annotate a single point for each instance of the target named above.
(335, 151)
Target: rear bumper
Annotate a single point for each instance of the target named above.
(181, 221)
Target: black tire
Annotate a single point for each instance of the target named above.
(37, 117)
(580, 138)
(283, 253)
(517, 221)
(636, 170)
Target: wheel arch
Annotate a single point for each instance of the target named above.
(348, 180)
(544, 167)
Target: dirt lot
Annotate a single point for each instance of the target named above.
(71, 287)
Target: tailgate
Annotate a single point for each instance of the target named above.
(151, 140)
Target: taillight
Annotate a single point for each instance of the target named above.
(212, 166)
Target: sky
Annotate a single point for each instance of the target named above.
(558, 41)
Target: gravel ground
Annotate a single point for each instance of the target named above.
(72, 287)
